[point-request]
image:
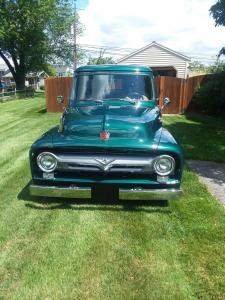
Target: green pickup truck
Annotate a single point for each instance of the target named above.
(111, 138)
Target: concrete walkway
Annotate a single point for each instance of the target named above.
(212, 175)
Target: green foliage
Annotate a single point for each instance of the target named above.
(210, 98)
(50, 70)
(34, 33)
(100, 60)
(217, 11)
(197, 66)
(218, 67)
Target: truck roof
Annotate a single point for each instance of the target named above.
(114, 67)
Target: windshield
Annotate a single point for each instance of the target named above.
(112, 86)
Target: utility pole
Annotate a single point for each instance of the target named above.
(75, 38)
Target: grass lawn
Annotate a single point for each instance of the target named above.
(201, 137)
(69, 249)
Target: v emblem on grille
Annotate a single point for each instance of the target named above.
(104, 163)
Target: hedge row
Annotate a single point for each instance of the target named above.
(210, 98)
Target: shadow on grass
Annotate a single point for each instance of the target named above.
(42, 111)
(89, 204)
(202, 137)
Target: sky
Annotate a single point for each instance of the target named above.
(182, 25)
(122, 26)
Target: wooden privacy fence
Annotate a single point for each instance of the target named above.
(57, 86)
(180, 91)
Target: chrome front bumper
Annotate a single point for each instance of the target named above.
(124, 194)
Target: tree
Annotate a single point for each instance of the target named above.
(100, 60)
(218, 13)
(34, 33)
(197, 66)
(50, 70)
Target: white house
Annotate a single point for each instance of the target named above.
(163, 61)
(62, 71)
(3, 69)
(32, 79)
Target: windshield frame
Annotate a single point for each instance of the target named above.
(73, 101)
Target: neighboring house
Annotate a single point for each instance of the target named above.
(3, 69)
(42, 76)
(35, 80)
(63, 71)
(163, 61)
(7, 78)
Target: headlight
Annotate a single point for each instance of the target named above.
(47, 161)
(164, 165)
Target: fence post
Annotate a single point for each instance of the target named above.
(184, 96)
(161, 89)
(181, 99)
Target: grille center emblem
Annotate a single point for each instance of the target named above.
(104, 163)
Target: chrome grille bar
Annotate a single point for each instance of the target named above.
(104, 163)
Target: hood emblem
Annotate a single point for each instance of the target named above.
(104, 163)
(104, 135)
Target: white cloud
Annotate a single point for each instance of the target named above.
(183, 25)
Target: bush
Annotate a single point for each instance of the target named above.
(42, 87)
(210, 98)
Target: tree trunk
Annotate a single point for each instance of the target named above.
(20, 80)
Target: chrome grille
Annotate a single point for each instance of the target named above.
(105, 163)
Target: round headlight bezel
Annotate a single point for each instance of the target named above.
(156, 165)
(40, 158)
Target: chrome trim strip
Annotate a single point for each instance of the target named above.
(154, 194)
(55, 191)
(83, 192)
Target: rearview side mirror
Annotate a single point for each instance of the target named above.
(166, 102)
(60, 99)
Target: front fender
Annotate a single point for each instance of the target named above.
(168, 145)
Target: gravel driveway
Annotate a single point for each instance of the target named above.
(212, 174)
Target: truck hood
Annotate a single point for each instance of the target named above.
(129, 127)
(124, 122)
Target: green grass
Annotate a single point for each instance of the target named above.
(69, 249)
(202, 137)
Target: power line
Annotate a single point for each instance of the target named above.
(122, 51)
(75, 37)
(108, 47)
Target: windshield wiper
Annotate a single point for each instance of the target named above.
(90, 101)
(98, 101)
(132, 101)
(104, 101)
